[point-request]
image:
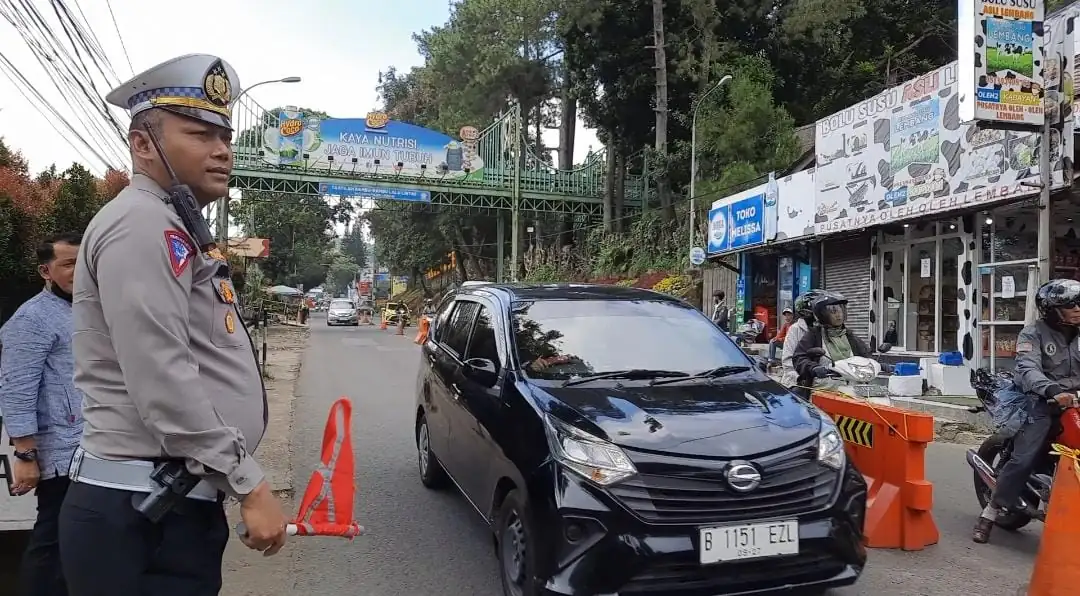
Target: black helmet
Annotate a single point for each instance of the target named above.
(1055, 294)
(804, 304)
(830, 308)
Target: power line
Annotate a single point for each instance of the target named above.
(123, 46)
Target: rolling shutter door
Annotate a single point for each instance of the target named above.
(847, 270)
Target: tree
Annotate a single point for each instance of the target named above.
(340, 275)
(355, 246)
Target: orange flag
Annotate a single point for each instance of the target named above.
(327, 508)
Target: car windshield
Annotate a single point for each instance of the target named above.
(562, 339)
(341, 305)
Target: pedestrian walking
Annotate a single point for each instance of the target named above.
(42, 409)
(174, 403)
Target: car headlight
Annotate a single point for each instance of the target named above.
(830, 450)
(590, 456)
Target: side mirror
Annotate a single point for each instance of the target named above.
(883, 348)
(761, 363)
(815, 352)
(481, 370)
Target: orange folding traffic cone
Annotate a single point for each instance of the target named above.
(382, 325)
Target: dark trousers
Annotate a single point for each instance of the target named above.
(1029, 446)
(774, 345)
(40, 573)
(108, 548)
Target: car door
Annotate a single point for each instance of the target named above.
(480, 408)
(436, 390)
(453, 340)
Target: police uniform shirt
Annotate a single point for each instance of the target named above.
(161, 354)
(1046, 362)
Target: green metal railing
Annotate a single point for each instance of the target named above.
(507, 164)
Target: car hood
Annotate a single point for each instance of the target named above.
(724, 418)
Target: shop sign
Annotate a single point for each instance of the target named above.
(739, 221)
(1002, 65)
(906, 153)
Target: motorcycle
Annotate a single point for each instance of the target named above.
(748, 333)
(1007, 405)
(855, 376)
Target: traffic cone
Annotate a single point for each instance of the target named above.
(1056, 568)
(382, 326)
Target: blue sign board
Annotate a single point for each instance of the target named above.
(374, 192)
(739, 224)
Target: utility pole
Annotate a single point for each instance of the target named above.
(660, 54)
(1046, 226)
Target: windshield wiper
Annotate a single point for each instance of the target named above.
(712, 373)
(632, 373)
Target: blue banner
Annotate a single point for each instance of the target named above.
(740, 224)
(374, 192)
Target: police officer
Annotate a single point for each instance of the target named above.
(166, 366)
(1047, 368)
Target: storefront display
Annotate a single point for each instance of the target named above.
(916, 290)
(1007, 272)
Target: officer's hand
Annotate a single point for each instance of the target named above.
(264, 520)
(1065, 399)
(25, 476)
(820, 372)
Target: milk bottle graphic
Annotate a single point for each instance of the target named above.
(772, 191)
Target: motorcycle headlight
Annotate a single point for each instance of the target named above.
(590, 456)
(863, 374)
(830, 449)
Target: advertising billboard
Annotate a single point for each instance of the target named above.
(795, 210)
(1001, 61)
(374, 144)
(739, 221)
(905, 153)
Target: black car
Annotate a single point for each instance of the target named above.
(619, 443)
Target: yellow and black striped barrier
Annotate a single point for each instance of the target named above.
(853, 430)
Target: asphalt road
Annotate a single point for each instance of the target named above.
(421, 543)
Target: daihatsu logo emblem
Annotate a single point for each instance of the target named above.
(743, 477)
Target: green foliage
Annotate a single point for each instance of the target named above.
(341, 274)
(355, 246)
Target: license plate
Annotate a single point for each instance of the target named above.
(749, 541)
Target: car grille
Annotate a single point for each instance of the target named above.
(686, 577)
(684, 490)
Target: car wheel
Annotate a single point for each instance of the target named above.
(432, 474)
(516, 544)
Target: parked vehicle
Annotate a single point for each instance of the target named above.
(999, 398)
(618, 442)
(342, 312)
(748, 333)
(390, 313)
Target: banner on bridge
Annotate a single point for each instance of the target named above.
(371, 145)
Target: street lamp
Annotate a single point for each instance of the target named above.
(244, 92)
(693, 151)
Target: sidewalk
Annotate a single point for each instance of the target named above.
(246, 572)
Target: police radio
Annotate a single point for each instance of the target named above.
(183, 200)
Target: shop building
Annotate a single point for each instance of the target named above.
(929, 226)
(769, 230)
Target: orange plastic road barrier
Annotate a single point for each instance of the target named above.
(1057, 570)
(888, 446)
(422, 330)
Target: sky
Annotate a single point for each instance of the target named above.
(337, 47)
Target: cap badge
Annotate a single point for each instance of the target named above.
(216, 85)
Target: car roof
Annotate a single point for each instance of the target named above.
(520, 292)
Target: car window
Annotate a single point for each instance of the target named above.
(456, 333)
(558, 339)
(483, 343)
(341, 304)
(442, 318)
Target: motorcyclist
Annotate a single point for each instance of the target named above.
(804, 320)
(1048, 369)
(830, 334)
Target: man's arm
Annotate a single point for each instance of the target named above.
(27, 344)
(144, 276)
(1029, 370)
(858, 346)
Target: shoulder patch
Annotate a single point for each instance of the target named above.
(180, 251)
(1050, 348)
(1023, 346)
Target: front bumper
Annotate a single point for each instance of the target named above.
(617, 553)
(342, 319)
